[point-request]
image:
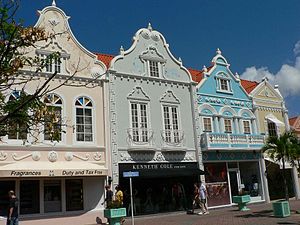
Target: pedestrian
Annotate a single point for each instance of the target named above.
(196, 199)
(108, 196)
(203, 196)
(13, 215)
(119, 199)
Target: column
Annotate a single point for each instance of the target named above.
(236, 125)
(216, 124)
(295, 182)
(258, 129)
(264, 179)
(254, 126)
(221, 125)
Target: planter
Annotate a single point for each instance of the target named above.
(114, 215)
(281, 209)
(241, 201)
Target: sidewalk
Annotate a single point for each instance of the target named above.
(260, 214)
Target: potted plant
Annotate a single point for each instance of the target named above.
(283, 148)
(242, 199)
(114, 213)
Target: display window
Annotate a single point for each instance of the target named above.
(52, 196)
(29, 196)
(5, 187)
(74, 195)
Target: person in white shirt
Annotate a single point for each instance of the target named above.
(203, 196)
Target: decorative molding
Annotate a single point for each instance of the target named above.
(69, 156)
(87, 156)
(97, 156)
(52, 156)
(36, 156)
(3, 156)
(15, 156)
(138, 94)
(54, 21)
(152, 54)
(169, 97)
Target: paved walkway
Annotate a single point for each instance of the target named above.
(260, 214)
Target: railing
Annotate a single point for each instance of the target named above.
(172, 137)
(235, 141)
(140, 137)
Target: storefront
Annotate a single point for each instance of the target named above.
(232, 173)
(160, 187)
(45, 189)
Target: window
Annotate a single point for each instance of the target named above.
(154, 68)
(16, 129)
(52, 196)
(53, 65)
(74, 195)
(246, 124)
(272, 129)
(224, 85)
(139, 122)
(171, 132)
(228, 127)
(207, 124)
(29, 196)
(84, 119)
(53, 121)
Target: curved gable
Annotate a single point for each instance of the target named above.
(150, 46)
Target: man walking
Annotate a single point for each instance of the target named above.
(13, 215)
(203, 196)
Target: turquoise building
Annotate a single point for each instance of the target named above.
(230, 140)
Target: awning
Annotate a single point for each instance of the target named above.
(287, 164)
(276, 121)
(49, 169)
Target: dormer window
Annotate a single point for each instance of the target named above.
(154, 68)
(53, 65)
(224, 85)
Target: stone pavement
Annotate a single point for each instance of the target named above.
(260, 214)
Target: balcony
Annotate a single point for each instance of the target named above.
(232, 141)
(173, 140)
(140, 139)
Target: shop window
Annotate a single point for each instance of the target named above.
(84, 119)
(207, 124)
(139, 122)
(247, 129)
(29, 196)
(228, 125)
(5, 187)
(54, 106)
(74, 195)
(272, 129)
(52, 195)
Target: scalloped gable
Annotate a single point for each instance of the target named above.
(54, 20)
(149, 44)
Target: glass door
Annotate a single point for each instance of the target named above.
(234, 182)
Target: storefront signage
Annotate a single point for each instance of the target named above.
(131, 174)
(52, 173)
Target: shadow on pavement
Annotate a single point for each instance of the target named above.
(263, 213)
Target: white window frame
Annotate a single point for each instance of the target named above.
(171, 138)
(158, 72)
(92, 108)
(211, 124)
(138, 134)
(244, 128)
(231, 130)
(275, 128)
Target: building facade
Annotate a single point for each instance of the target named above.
(65, 177)
(230, 139)
(273, 120)
(152, 110)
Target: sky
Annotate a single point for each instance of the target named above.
(258, 38)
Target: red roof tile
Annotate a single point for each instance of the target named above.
(249, 85)
(197, 75)
(105, 58)
(292, 120)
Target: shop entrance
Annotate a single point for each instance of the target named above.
(234, 181)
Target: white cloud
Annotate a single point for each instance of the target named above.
(288, 77)
(297, 48)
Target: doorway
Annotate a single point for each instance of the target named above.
(234, 182)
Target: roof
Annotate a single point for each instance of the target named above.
(293, 120)
(197, 75)
(105, 58)
(249, 85)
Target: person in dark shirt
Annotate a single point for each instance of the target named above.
(109, 196)
(13, 215)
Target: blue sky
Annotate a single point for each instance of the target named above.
(258, 38)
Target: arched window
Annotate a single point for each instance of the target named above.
(16, 129)
(54, 119)
(84, 119)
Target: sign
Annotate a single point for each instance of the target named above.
(131, 174)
